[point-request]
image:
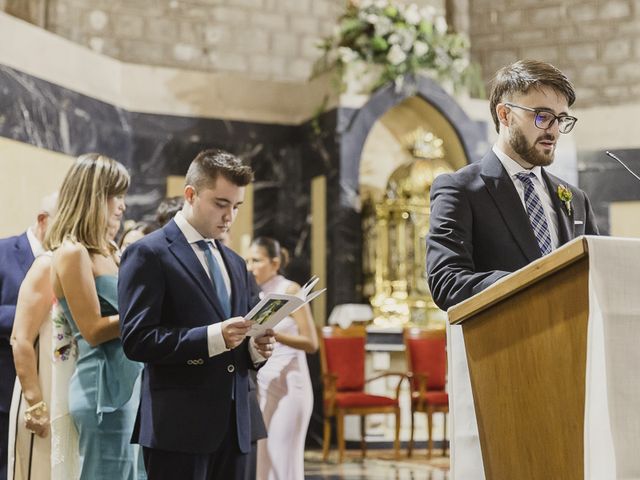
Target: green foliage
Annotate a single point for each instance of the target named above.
(400, 40)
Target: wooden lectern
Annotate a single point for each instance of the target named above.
(526, 346)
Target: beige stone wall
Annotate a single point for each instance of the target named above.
(267, 39)
(274, 39)
(595, 42)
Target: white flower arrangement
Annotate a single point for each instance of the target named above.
(396, 40)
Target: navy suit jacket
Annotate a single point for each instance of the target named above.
(479, 230)
(16, 258)
(166, 303)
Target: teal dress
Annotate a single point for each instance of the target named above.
(104, 393)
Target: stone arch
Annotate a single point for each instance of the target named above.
(356, 124)
(344, 234)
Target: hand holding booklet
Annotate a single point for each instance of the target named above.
(276, 306)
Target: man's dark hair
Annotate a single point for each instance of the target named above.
(521, 76)
(210, 164)
(168, 208)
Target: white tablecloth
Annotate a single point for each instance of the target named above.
(466, 456)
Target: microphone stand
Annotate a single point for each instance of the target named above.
(622, 163)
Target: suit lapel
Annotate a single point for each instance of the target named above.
(235, 274)
(506, 198)
(184, 253)
(565, 221)
(24, 255)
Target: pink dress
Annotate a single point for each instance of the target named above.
(286, 401)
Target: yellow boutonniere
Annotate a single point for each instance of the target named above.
(565, 195)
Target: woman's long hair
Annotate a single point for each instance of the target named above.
(82, 204)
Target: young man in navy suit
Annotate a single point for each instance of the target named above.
(495, 216)
(182, 297)
(16, 256)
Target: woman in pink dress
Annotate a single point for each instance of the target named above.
(284, 385)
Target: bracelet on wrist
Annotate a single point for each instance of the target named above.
(37, 410)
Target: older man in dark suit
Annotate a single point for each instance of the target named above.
(16, 256)
(493, 217)
(182, 297)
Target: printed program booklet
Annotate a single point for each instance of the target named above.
(276, 306)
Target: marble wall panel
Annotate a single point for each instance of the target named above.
(285, 157)
(606, 181)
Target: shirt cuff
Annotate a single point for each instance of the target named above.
(215, 340)
(256, 356)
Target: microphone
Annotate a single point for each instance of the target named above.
(622, 163)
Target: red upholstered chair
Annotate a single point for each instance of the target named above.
(342, 356)
(426, 356)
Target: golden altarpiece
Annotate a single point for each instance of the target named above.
(395, 230)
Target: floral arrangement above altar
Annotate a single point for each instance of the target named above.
(380, 41)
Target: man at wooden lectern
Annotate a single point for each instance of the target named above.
(495, 216)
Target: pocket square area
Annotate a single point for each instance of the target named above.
(578, 222)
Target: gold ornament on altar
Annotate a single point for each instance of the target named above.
(395, 232)
(423, 144)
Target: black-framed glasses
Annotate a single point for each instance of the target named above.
(544, 119)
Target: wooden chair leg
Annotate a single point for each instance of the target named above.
(363, 441)
(410, 448)
(444, 438)
(396, 442)
(340, 432)
(326, 438)
(430, 430)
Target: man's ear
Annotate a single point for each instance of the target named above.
(189, 193)
(502, 110)
(277, 262)
(42, 218)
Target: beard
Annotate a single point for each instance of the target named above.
(528, 151)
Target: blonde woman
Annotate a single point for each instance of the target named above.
(104, 389)
(284, 385)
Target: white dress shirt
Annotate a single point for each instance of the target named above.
(215, 340)
(36, 247)
(513, 168)
(192, 236)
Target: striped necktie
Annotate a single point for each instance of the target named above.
(537, 218)
(216, 277)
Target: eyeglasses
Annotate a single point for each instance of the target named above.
(545, 119)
